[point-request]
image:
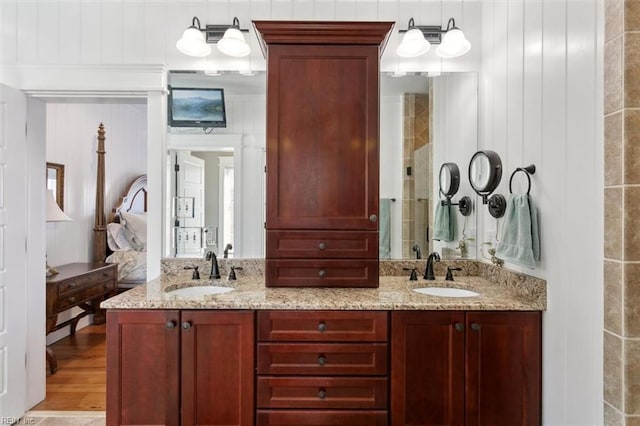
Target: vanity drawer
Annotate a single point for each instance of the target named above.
(323, 326)
(321, 418)
(84, 294)
(321, 273)
(323, 245)
(346, 359)
(87, 280)
(320, 392)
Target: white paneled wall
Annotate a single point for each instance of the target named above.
(81, 32)
(71, 135)
(541, 102)
(454, 120)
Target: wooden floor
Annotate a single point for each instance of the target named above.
(80, 382)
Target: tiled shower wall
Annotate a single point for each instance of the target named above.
(622, 213)
(414, 191)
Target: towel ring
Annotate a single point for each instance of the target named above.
(528, 171)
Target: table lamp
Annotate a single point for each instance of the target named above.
(54, 214)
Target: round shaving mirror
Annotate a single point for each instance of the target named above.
(485, 172)
(449, 179)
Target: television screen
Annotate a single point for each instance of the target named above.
(196, 107)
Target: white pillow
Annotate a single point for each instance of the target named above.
(121, 239)
(137, 225)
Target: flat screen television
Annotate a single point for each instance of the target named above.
(196, 107)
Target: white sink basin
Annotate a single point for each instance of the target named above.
(199, 291)
(446, 292)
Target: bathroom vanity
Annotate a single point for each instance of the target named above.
(320, 356)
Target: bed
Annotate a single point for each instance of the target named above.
(122, 239)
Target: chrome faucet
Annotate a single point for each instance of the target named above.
(428, 272)
(215, 271)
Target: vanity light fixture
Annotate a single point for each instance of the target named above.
(417, 40)
(454, 43)
(229, 39)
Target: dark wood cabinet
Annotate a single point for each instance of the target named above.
(326, 367)
(180, 367)
(84, 285)
(458, 368)
(322, 151)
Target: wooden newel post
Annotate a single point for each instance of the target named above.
(100, 228)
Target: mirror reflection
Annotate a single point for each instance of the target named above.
(424, 123)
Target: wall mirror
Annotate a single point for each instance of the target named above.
(55, 182)
(424, 122)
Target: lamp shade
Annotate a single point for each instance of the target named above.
(454, 44)
(193, 43)
(413, 44)
(54, 213)
(233, 43)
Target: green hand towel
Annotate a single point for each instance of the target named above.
(520, 240)
(444, 227)
(385, 229)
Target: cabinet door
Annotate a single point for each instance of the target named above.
(427, 368)
(322, 137)
(217, 368)
(503, 368)
(143, 368)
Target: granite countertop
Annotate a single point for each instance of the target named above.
(394, 293)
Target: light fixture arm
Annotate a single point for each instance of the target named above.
(451, 25)
(194, 21)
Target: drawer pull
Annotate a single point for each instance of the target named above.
(105, 274)
(322, 394)
(73, 285)
(322, 327)
(186, 325)
(170, 325)
(322, 246)
(322, 273)
(458, 326)
(322, 360)
(72, 299)
(475, 326)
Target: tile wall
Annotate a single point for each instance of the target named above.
(416, 156)
(622, 213)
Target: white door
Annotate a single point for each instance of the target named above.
(189, 205)
(13, 233)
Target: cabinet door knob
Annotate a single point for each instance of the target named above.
(322, 394)
(475, 326)
(322, 246)
(186, 325)
(373, 218)
(170, 325)
(458, 326)
(322, 327)
(322, 273)
(322, 360)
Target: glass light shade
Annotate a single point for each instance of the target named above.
(454, 44)
(193, 43)
(54, 213)
(234, 44)
(413, 44)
